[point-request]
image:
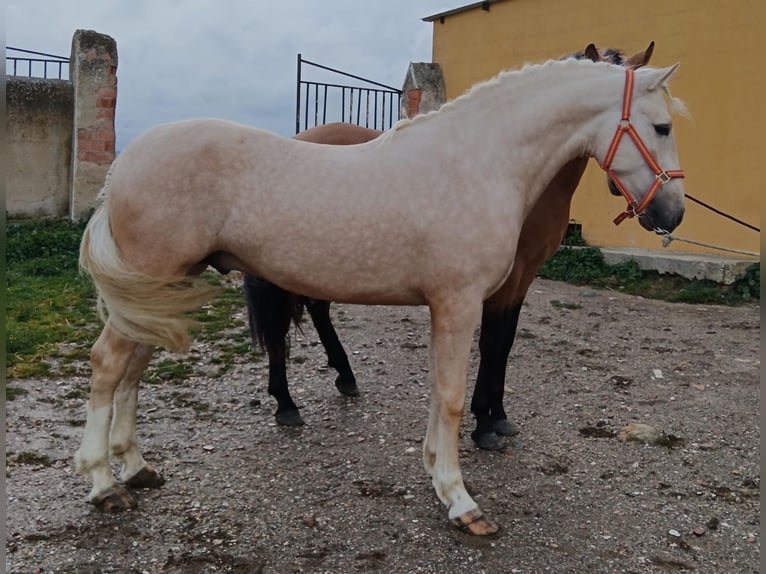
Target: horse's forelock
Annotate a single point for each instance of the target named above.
(677, 105)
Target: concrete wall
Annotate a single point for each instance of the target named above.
(40, 119)
(717, 43)
(61, 133)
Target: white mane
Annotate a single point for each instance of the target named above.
(510, 79)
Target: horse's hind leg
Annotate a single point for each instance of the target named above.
(498, 331)
(136, 473)
(336, 355)
(452, 326)
(110, 357)
(270, 312)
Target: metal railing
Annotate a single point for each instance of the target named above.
(36, 64)
(377, 107)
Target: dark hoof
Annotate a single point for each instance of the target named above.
(147, 477)
(488, 441)
(347, 388)
(475, 523)
(504, 427)
(114, 500)
(290, 419)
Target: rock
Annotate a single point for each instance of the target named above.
(674, 533)
(665, 559)
(639, 432)
(310, 521)
(699, 531)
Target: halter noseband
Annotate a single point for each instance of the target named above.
(661, 176)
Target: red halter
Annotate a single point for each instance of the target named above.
(661, 176)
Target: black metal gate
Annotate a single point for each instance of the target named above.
(19, 62)
(367, 103)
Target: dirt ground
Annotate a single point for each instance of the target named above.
(348, 493)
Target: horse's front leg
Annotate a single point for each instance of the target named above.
(136, 473)
(110, 357)
(452, 326)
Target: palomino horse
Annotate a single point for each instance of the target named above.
(437, 224)
(270, 308)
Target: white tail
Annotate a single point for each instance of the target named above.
(139, 307)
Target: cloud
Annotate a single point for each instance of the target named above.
(233, 59)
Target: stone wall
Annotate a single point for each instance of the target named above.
(40, 118)
(61, 137)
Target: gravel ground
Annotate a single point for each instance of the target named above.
(348, 493)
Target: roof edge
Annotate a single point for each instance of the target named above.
(441, 15)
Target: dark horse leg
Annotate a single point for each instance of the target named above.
(336, 355)
(498, 331)
(270, 310)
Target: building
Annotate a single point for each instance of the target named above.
(719, 45)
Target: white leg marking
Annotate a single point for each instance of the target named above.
(452, 326)
(91, 458)
(122, 438)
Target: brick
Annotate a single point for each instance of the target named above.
(105, 103)
(413, 102)
(95, 156)
(106, 133)
(86, 144)
(106, 113)
(108, 92)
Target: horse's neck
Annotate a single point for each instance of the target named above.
(537, 123)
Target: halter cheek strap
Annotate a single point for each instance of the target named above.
(661, 177)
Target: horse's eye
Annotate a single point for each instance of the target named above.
(662, 129)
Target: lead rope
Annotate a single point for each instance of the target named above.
(667, 239)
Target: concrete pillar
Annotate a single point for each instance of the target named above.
(93, 72)
(423, 89)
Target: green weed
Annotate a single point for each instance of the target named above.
(586, 265)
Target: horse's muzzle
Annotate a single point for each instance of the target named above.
(651, 220)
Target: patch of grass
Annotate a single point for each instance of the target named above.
(48, 302)
(565, 305)
(169, 370)
(32, 458)
(586, 265)
(51, 317)
(12, 392)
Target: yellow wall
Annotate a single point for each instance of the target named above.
(721, 46)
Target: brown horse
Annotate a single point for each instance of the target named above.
(271, 308)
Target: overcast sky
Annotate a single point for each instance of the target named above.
(233, 59)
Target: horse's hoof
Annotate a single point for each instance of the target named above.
(474, 522)
(347, 388)
(113, 500)
(504, 427)
(289, 419)
(147, 477)
(487, 441)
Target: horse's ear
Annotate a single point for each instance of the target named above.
(592, 52)
(640, 59)
(654, 78)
